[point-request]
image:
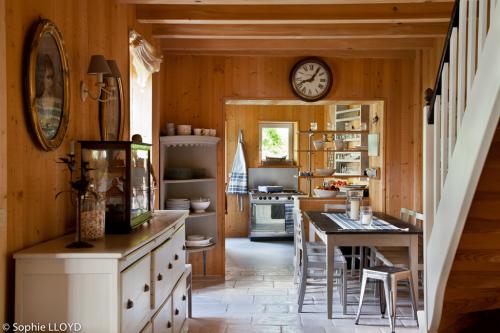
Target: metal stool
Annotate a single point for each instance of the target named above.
(389, 276)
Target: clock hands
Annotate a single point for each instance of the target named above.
(311, 79)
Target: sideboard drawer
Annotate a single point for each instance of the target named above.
(136, 295)
(179, 252)
(162, 321)
(179, 304)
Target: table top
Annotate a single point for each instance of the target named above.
(324, 224)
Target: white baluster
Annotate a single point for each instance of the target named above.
(482, 25)
(437, 153)
(471, 44)
(452, 135)
(444, 123)
(462, 59)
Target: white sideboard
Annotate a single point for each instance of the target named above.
(125, 284)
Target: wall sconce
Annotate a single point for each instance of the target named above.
(100, 67)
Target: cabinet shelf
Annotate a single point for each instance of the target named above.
(338, 120)
(348, 161)
(197, 215)
(337, 175)
(200, 249)
(348, 110)
(334, 132)
(182, 181)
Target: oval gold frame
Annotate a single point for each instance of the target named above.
(46, 26)
(103, 110)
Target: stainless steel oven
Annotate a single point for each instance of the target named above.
(271, 213)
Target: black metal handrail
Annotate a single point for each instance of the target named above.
(445, 57)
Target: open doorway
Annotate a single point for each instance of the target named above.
(299, 162)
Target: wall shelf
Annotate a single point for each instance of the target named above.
(188, 140)
(198, 215)
(182, 181)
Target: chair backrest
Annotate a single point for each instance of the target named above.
(334, 207)
(300, 237)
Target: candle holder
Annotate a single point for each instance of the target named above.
(78, 187)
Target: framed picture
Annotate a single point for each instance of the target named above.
(47, 85)
(111, 107)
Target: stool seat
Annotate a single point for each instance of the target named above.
(389, 277)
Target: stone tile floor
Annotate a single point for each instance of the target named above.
(259, 296)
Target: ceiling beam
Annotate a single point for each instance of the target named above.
(320, 31)
(295, 14)
(267, 2)
(297, 44)
(358, 54)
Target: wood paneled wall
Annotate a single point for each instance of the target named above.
(247, 118)
(33, 177)
(194, 89)
(3, 164)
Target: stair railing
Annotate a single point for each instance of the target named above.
(460, 119)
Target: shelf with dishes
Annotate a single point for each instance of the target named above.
(336, 175)
(192, 180)
(194, 215)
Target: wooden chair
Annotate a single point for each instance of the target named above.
(312, 265)
(389, 277)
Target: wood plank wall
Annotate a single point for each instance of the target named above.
(247, 117)
(3, 165)
(88, 27)
(194, 88)
(473, 286)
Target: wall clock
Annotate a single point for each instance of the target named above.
(311, 79)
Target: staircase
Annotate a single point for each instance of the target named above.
(461, 121)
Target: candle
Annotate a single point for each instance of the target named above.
(354, 213)
(72, 147)
(366, 219)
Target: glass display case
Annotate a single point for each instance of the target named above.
(120, 171)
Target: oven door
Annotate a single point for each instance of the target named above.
(268, 218)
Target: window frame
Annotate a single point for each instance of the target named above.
(290, 125)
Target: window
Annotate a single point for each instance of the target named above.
(141, 103)
(276, 141)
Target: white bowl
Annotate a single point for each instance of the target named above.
(195, 237)
(318, 144)
(183, 129)
(325, 193)
(324, 172)
(200, 205)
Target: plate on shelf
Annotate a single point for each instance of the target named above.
(199, 243)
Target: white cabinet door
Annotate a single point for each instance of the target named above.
(136, 295)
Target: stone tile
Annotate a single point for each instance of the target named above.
(303, 329)
(238, 299)
(267, 291)
(245, 307)
(246, 278)
(254, 284)
(208, 310)
(253, 329)
(287, 278)
(285, 284)
(275, 299)
(278, 308)
(283, 319)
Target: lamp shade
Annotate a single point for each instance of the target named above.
(115, 71)
(98, 65)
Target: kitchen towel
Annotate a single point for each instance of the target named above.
(238, 179)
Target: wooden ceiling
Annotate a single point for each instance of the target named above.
(289, 26)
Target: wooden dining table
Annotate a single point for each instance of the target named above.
(333, 235)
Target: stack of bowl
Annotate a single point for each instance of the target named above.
(178, 204)
(199, 205)
(183, 129)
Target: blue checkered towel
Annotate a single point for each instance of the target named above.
(238, 180)
(345, 222)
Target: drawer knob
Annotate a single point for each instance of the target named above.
(183, 247)
(169, 238)
(146, 288)
(130, 304)
(169, 324)
(170, 265)
(176, 312)
(176, 257)
(183, 297)
(159, 277)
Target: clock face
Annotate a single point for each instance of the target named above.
(311, 79)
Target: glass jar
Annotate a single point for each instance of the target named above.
(354, 198)
(366, 215)
(92, 215)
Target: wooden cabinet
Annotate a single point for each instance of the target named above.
(112, 287)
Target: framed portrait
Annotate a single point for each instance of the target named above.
(47, 85)
(111, 106)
